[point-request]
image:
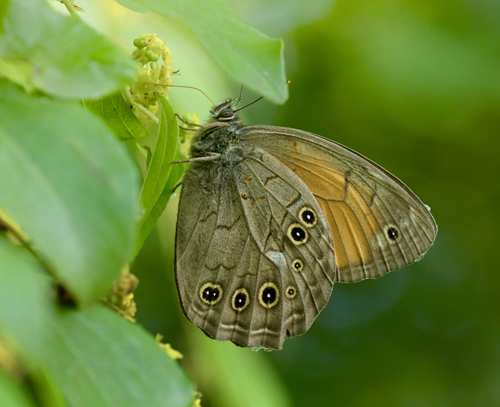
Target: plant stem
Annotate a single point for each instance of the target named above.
(27, 245)
(71, 8)
(128, 99)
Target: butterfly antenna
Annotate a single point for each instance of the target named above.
(184, 86)
(241, 95)
(255, 101)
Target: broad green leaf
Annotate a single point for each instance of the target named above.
(247, 55)
(173, 180)
(69, 59)
(279, 17)
(145, 151)
(25, 308)
(134, 5)
(70, 185)
(3, 11)
(170, 187)
(114, 111)
(19, 72)
(158, 170)
(46, 390)
(99, 359)
(12, 394)
(236, 376)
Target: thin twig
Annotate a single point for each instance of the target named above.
(71, 8)
(146, 112)
(126, 95)
(27, 245)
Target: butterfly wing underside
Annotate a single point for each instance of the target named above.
(378, 224)
(240, 275)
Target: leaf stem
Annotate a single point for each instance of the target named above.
(128, 99)
(71, 8)
(27, 245)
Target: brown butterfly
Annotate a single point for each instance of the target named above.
(271, 217)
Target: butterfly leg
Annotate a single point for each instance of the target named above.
(186, 122)
(213, 157)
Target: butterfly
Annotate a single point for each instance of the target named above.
(271, 217)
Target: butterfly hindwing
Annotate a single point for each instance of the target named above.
(250, 282)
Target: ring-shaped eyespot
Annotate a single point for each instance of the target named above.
(392, 233)
(297, 265)
(211, 293)
(240, 299)
(269, 295)
(297, 234)
(308, 217)
(291, 292)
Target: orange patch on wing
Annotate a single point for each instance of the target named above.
(347, 209)
(321, 180)
(341, 258)
(351, 234)
(363, 212)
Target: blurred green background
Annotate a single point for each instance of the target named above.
(415, 86)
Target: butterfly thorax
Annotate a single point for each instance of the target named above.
(220, 135)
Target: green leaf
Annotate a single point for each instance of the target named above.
(12, 394)
(70, 185)
(247, 55)
(134, 5)
(117, 115)
(158, 170)
(25, 309)
(19, 72)
(83, 65)
(46, 391)
(279, 17)
(3, 11)
(174, 178)
(99, 359)
(239, 377)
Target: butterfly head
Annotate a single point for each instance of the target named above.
(224, 111)
(218, 135)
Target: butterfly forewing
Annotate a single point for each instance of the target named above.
(378, 224)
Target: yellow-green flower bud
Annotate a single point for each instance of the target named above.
(139, 43)
(152, 55)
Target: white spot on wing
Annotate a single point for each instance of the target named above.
(278, 259)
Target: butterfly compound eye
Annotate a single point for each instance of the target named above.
(226, 114)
